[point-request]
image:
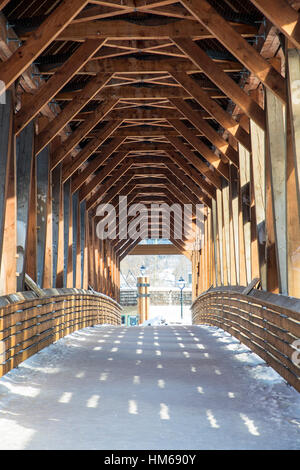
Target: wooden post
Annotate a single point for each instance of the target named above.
(24, 157)
(42, 176)
(8, 273)
(276, 122)
(6, 141)
(245, 178)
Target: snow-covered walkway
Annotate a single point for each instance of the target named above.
(168, 387)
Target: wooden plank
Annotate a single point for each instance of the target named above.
(238, 46)
(276, 121)
(31, 255)
(293, 219)
(8, 274)
(24, 158)
(42, 171)
(259, 182)
(66, 205)
(245, 178)
(38, 41)
(122, 29)
(6, 116)
(234, 201)
(56, 198)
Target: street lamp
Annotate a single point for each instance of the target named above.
(181, 285)
(143, 270)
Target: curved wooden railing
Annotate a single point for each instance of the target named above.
(268, 324)
(29, 323)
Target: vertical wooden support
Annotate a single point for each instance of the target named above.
(234, 205)
(293, 171)
(31, 254)
(226, 220)
(24, 157)
(215, 242)
(75, 202)
(6, 141)
(245, 175)
(276, 122)
(293, 57)
(8, 278)
(67, 236)
(83, 245)
(70, 264)
(42, 173)
(78, 249)
(48, 267)
(56, 202)
(258, 141)
(60, 246)
(220, 235)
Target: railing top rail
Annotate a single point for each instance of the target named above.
(21, 297)
(277, 302)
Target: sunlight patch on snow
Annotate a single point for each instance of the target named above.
(200, 390)
(65, 398)
(17, 389)
(164, 412)
(93, 401)
(200, 346)
(181, 345)
(264, 372)
(250, 425)
(158, 353)
(159, 366)
(218, 372)
(97, 348)
(193, 369)
(132, 407)
(212, 420)
(249, 357)
(14, 436)
(161, 383)
(136, 380)
(186, 354)
(139, 351)
(103, 376)
(80, 375)
(231, 395)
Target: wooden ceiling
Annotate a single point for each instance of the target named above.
(140, 89)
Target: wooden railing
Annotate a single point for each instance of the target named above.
(29, 323)
(268, 324)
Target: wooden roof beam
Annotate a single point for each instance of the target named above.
(224, 147)
(48, 90)
(283, 16)
(222, 81)
(69, 112)
(81, 132)
(39, 40)
(238, 46)
(213, 108)
(80, 179)
(209, 155)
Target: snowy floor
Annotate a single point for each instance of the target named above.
(157, 387)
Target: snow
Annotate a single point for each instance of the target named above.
(157, 387)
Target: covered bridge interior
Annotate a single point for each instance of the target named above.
(188, 102)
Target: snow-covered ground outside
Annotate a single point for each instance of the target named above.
(159, 387)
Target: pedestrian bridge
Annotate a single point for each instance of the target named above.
(121, 121)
